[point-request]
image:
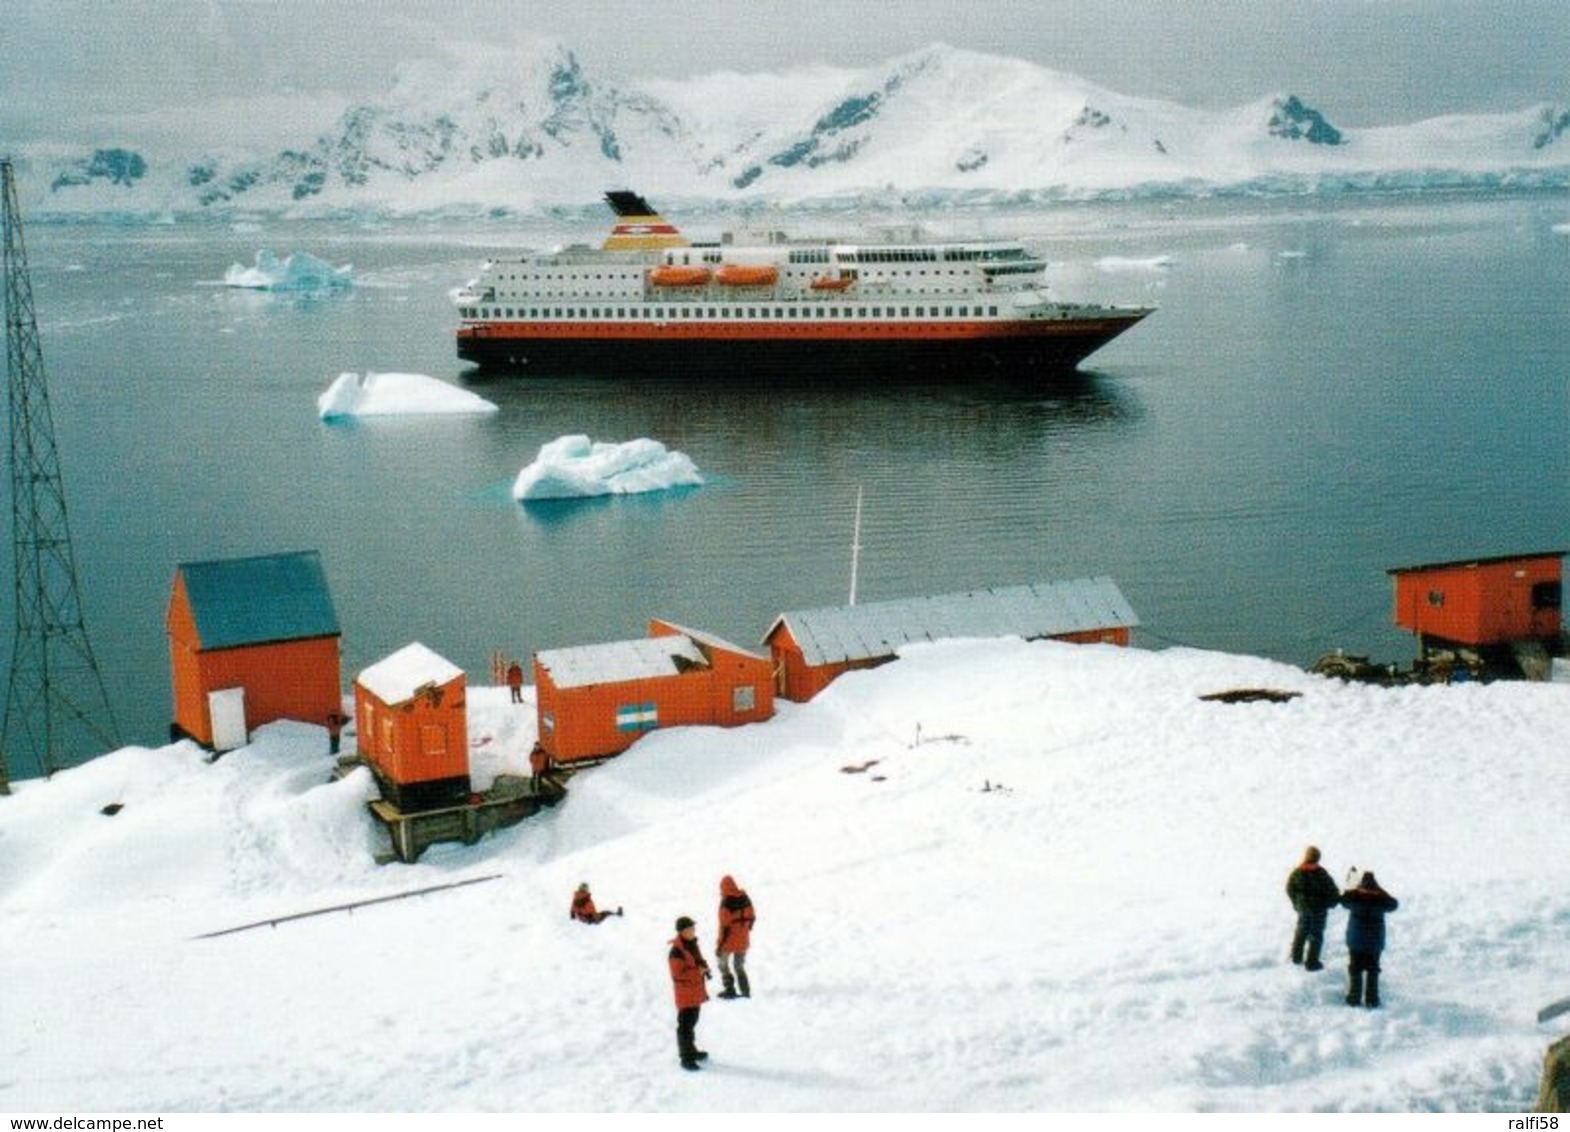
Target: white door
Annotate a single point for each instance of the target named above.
(226, 706)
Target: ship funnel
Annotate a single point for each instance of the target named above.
(638, 226)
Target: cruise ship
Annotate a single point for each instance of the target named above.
(651, 303)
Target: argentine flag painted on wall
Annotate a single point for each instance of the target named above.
(637, 717)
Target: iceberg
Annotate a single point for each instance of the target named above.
(396, 394)
(299, 271)
(574, 467)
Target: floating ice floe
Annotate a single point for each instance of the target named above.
(1113, 263)
(574, 467)
(395, 394)
(297, 272)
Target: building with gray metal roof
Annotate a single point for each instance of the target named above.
(812, 646)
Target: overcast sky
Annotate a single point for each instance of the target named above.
(1363, 62)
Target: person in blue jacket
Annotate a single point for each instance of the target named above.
(1366, 906)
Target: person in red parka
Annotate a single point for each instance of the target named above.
(736, 919)
(689, 971)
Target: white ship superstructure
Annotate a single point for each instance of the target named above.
(649, 297)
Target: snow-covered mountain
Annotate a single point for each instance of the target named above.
(524, 130)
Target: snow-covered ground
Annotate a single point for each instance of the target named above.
(990, 876)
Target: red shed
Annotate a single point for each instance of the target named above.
(812, 647)
(1478, 602)
(251, 640)
(596, 700)
(411, 715)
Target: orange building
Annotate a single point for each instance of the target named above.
(251, 640)
(1477, 602)
(594, 701)
(411, 715)
(812, 647)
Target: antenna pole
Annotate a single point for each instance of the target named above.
(855, 549)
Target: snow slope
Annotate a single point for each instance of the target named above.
(1066, 895)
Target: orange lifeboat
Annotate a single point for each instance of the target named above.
(832, 282)
(678, 275)
(747, 275)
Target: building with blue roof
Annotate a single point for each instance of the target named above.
(252, 640)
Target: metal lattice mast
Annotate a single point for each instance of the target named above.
(56, 709)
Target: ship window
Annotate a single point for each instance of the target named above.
(992, 311)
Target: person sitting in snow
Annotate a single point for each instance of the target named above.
(583, 909)
(1365, 938)
(1313, 893)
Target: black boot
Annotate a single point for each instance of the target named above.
(1354, 992)
(741, 980)
(1371, 996)
(1311, 960)
(730, 985)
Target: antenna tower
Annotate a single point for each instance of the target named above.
(56, 708)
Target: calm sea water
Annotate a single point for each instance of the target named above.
(1327, 391)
